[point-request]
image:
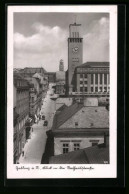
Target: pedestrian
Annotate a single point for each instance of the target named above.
(23, 152)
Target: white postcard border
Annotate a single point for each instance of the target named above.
(55, 171)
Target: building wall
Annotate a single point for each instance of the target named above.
(60, 88)
(84, 142)
(95, 82)
(22, 112)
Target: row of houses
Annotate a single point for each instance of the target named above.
(29, 88)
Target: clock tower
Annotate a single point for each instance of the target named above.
(75, 52)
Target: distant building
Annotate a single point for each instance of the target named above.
(30, 71)
(60, 82)
(51, 77)
(61, 65)
(21, 114)
(79, 126)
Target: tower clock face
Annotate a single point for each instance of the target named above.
(75, 49)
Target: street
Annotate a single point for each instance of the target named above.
(35, 146)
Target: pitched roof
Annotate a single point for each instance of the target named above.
(91, 155)
(87, 118)
(59, 119)
(94, 64)
(62, 107)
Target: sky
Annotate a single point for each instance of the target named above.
(40, 39)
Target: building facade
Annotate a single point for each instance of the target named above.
(30, 71)
(75, 52)
(36, 95)
(92, 77)
(21, 114)
(60, 83)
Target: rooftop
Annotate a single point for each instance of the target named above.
(62, 107)
(61, 118)
(78, 116)
(94, 64)
(91, 155)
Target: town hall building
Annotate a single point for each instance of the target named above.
(84, 78)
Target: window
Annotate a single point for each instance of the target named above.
(100, 89)
(85, 82)
(94, 143)
(81, 82)
(32, 99)
(105, 89)
(85, 75)
(76, 146)
(65, 148)
(81, 89)
(85, 89)
(96, 89)
(96, 78)
(81, 75)
(105, 78)
(91, 89)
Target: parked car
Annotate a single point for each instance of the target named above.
(43, 117)
(45, 123)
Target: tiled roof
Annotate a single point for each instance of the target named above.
(94, 64)
(91, 155)
(34, 69)
(62, 107)
(86, 117)
(61, 118)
